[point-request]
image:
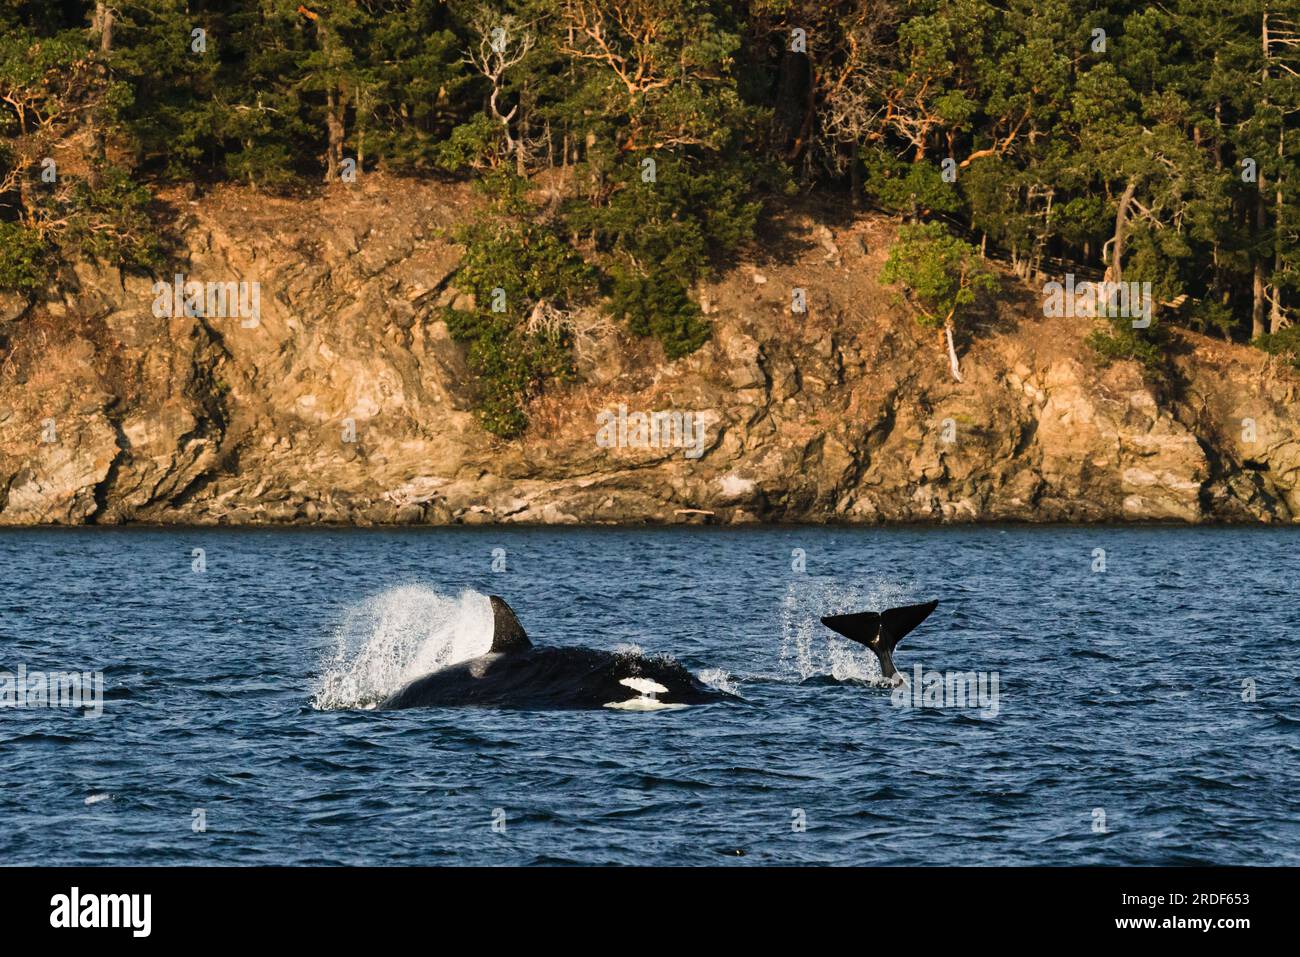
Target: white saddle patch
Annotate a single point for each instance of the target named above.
(643, 704)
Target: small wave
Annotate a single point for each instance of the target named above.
(40, 737)
(392, 638)
(1090, 653)
(876, 681)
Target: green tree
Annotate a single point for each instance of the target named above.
(941, 276)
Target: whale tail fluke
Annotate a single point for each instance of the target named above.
(881, 631)
(507, 634)
(895, 623)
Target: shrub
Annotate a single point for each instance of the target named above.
(25, 263)
(520, 264)
(111, 222)
(663, 236)
(1123, 342)
(1284, 342)
(660, 306)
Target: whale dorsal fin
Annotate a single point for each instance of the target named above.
(507, 634)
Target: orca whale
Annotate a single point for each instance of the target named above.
(516, 674)
(881, 631)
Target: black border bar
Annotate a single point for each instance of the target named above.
(381, 906)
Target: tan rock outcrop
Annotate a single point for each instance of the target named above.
(348, 401)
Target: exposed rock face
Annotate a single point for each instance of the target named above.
(348, 401)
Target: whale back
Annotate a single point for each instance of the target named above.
(508, 636)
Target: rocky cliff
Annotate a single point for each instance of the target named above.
(349, 402)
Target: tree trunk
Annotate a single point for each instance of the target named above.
(952, 352)
(334, 125)
(1258, 285)
(101, 24)
(335, 103)
(359, 121)
(855, 174)
(1121, 229)
(1275, 307)
(521, 129)
(792, 88)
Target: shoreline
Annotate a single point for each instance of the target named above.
(485, 528)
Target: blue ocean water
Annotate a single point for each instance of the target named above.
(1147, 713)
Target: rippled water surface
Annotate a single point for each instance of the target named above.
(234, 698)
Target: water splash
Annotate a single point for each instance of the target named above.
(720, 680)
(809, 648)
(392, 638)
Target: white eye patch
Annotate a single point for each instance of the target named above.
(647, 702)
(643, 685)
